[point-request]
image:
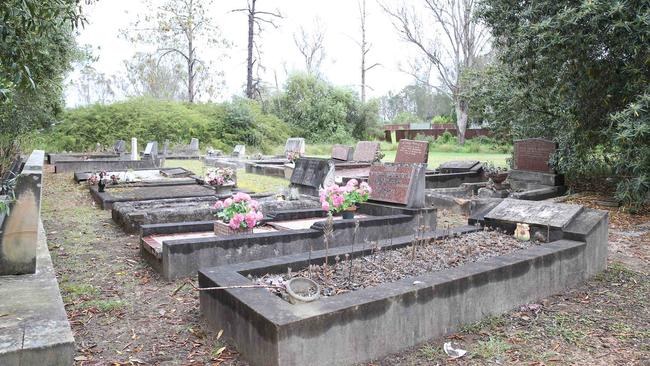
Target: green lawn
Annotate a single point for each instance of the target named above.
(437, 157)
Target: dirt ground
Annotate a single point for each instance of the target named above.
(123, 313)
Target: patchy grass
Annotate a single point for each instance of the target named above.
(195, 166)
(104, 306)
(260, 183)
(493, 347)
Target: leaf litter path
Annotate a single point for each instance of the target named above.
(122, 312)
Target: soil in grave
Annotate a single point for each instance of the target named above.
(385, 266)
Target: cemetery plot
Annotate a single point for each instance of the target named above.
(366, 151)
(123, 193)
(172, 175)
(384, 318)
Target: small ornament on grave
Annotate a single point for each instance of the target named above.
(345, 199)
(238, 214)
(292, 156)
(522, 232)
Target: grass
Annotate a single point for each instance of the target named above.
(492, 348)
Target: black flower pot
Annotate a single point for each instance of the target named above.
(101, 185)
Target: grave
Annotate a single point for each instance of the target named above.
(412, 151)
(295, 145)
(398, 183)
(370, 323)
(117, 152)
(34, 327)
(342, 152)
(136, 192)
(182, 152)
(533, 178)
(165, 175)
(94, 165)
(239, 151)
(151, 150)
(366, 151)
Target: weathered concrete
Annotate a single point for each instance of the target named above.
(450, 180)
(148, 192)
(97, 165)
(19, 230)
(183, 257)
(53, 158)
(34, 327)
(526, 180)
(370, 323)
(271, 170)
(154, 176)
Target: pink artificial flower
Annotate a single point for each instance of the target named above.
(218, 205)
(251, 219)
(245, 196)
(259, 216)
(236, 197)
(254, 204)
(337, 200)
(326, 206)
(352, 182)
(227, 202)
(233, 224)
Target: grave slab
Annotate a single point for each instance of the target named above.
(459, 166)
(555, 215)
(365, 151)
(412, 151)
(124, 193)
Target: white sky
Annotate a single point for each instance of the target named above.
(339, 17)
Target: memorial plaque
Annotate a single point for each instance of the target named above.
(412, 151)
(295, 144)
(311, 172)
(534, 155)
(555, 215)
(458, 166)
(342, 152)
(395, 183)
(365, 151)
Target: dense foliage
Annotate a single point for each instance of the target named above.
(220, 125)
(565, 70)
(321, 112)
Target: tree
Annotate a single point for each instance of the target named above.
(93, 86)
(255, 19)
(311, 47)
(463, 42)
(364, 47)
(148, 76)
(180, 29)
(577, 73)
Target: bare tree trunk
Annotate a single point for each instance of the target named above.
(190, 72)
(249, 63)
(362, 10)
(462, 108)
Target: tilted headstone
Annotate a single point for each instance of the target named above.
(365, 151)
(194, 144)
(239, 151)
(19, 229)
(412, 151)
(459, 166)
(295, 144)
(151, 150)
(545, 214)
(342, 152)
(534, 155)
(310, 174)
(134, 148)
(398, 183)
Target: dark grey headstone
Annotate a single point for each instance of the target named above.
(398, 183)
(120, 146)
(554, 215)
(459, 166)
(312, 172)
(365, 151)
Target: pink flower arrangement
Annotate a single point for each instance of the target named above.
(292, 156)
(239, 211)
(340, 198)
(219, 176)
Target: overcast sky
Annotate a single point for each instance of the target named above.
(280, 54)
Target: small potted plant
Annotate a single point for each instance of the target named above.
(238, 214)
(345, 198)
(496, 174)
(220, 176)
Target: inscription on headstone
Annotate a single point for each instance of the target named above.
(365, 151)
(311, 172)
(295, 144)
(391, 183)
(412, 151)
(533, 154)
(341, 152)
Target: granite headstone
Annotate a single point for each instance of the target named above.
(534, 155)
(342, 152)
(194, 144)
(412, 151)
(398, 183)
(310, 174)
(365, 151)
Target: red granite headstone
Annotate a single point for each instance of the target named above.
(533, 155)
(412, 151)
(365, 151)
(391, 183)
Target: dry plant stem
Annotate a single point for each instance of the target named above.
(221, 287)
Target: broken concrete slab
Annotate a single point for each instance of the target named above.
(555, 215)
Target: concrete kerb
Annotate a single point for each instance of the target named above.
(373, 322)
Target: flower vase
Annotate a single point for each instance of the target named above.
(222, 229)
(101, 186)
(348, 213)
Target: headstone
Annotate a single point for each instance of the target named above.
(312, 174)
(151, 150)
(459, 166)
(194, 144)
(239, 151)
(547, 214)
(342, 152)
(166, 148)
(412, 151)
(534, 154)
(398, 183)
(134, 148)
(365, 151)
(295, 144)
(119, 147)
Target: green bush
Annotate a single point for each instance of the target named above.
(220, 125)
(441, 120)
